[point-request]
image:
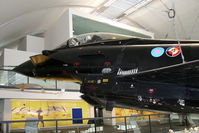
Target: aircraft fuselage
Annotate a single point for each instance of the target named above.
(145, 74)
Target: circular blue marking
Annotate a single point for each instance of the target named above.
(157, 52)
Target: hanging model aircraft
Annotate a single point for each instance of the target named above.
(123, 71)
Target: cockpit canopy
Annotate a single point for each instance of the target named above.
(91, 38)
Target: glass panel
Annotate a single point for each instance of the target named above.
(141, 125)
(3, 77)
(3, 128)
(91, 128)
(20, 79)
(132, 123)
(47, 126)
(195, 119)
(118, 125)
(69, 127)
(178, 122)
(31, 127)
(91, 38)
(50, 84)
(85, 127)
(100, 125)
(160, 123)
(68, 85)
(18, 127)
(9, 78)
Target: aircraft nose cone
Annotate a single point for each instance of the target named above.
(25, 68)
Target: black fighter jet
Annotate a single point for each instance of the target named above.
(124, 71)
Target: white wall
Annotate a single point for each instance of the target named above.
(32, 44)
(60, 31)
(7, 110)
(91, 111)
(15, 57)
(35, 44)
(37, 94)
(23, 45)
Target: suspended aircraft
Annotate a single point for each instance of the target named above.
(124, 71)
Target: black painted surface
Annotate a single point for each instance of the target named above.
(157, 83)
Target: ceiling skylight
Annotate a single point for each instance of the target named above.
(116, 9)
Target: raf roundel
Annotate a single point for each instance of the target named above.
(157, 52)
(173, 51)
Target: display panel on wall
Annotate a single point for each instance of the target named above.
(35, 109)
(83, 25)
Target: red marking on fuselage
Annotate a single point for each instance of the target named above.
(91, 87)
(76, 64)
(64, 72)
(107, 63)
(151, 90)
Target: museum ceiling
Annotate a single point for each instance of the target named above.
(21, 17)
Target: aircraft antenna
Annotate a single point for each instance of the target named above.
(171, 15)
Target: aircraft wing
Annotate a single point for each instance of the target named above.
(179, 73)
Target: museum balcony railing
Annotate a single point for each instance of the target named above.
(9, 79)
(155, 123)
